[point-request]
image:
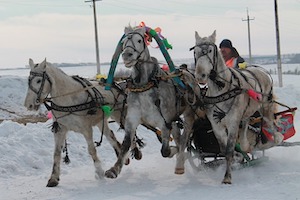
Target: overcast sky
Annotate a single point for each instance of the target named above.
(63, 30)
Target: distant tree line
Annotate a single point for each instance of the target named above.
(293, 72)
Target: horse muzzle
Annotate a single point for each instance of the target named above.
(33, 107)
(202, 85)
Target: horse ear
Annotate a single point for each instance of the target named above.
(197, 37)
(127, 29)
(141, 30)
(31, 63)
(213, 36)
(44, 63)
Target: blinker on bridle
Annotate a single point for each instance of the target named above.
(204, 51)
(40, 90)
(129, 38)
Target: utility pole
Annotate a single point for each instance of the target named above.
(96, 34)
(278, 46)
(249, 40)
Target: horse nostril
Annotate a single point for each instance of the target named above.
(127, 55)
(203, 76)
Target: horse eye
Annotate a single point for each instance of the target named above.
(210, 51)
(38, 81)
(139, 41)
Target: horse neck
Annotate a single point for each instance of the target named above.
(223, 74)
(143, 70)
(61, 82)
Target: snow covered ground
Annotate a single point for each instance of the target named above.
(26, 162)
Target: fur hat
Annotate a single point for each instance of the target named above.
(226, 43)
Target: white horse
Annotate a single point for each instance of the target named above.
(153, 98)
(76, 105)
(237, 94)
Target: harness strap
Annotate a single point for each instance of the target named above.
(71, 109)
(97, 100)
(222, 97)
(85, 83)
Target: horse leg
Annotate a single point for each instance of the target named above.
(243, 139)
(166, 151)
(114, 171)
(221, 135)
(179, 169)
(231, 142)
(176, 136)
(110, 136)
(88, 135)
(59, 138)
(135, 150)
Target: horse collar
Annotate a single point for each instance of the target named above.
(152, 80)
(138, 89)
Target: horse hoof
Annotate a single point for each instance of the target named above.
(165, 152)
(179, 171)
(99, 174)
(136, 153)
(226, 181)
(127, 161)
(52, 183)
(111, 174)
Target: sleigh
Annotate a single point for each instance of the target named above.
(204, 150)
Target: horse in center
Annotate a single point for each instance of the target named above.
(154, 99)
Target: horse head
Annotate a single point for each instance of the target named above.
(206, 57)
(134, 46)
(39, 85)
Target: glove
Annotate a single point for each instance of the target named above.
(242, 65)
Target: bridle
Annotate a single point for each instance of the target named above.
(39, 91)
(204, 47)
(133, 46)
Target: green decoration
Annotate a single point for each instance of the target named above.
(107, 110)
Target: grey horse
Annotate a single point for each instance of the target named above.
(240, 93)
(76, 105)
(154, 99)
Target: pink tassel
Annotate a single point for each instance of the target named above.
(254, 95)
(49, 114)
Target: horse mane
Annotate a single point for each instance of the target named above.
(50, 65)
